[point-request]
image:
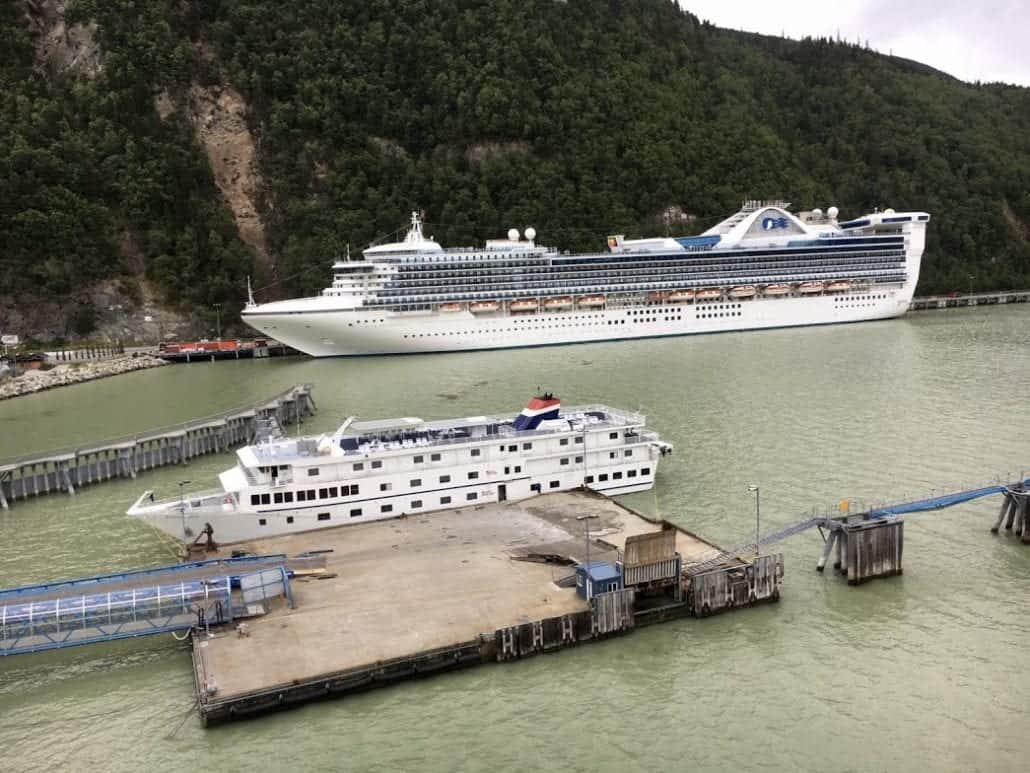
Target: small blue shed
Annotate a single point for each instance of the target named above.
(597, 577)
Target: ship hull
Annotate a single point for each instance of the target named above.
(367, 332)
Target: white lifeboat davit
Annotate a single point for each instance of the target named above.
(747, 291)
(563, 302)
(681, 296)
(524, 304)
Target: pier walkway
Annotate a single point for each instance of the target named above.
(138, 603)
(1014, 516)
(926, 302)
(65, 469)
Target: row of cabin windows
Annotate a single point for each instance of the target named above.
(645, 471)
(615, 454)
(416, 504)
(417, 482)
(359, 466)
(305, 495)
(566, 459)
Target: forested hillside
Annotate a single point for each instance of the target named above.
(580, 118)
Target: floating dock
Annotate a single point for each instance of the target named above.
(421, 594)
(66, 469)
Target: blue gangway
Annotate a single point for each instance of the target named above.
(944, 500)
(137, 603)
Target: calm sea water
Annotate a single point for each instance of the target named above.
(921, 672)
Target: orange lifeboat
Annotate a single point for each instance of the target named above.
(747, 291)
(524, 304)
(773, 291)
(590, 301)
(556, 304)
(656, 297)
(808, 288)
(450, 307)
(681, 296)
(484, 307)
(708, 295)
(837, 287)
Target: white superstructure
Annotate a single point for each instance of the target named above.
(763, 267)
(367, 471)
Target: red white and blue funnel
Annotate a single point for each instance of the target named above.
(543, 408)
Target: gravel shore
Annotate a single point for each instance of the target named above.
(32, 381)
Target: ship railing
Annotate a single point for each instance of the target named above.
(885, 274)
(197, 499)
(616, 418)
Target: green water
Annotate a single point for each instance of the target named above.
(923, 672)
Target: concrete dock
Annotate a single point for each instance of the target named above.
(419, 594)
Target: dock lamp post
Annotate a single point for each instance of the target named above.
(753, 488)
(586, 525)
(971, 278)
(218, 321)
(182, 507)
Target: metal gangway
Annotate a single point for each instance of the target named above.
(141, 602)
(1020, 488)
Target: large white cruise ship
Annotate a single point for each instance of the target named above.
(763, 267)
(368, 471)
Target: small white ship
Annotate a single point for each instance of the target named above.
(762, 267)
(371, 470)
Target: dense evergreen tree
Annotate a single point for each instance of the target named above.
(580, 118)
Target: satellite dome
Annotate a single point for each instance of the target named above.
(832, 212)
(888, 211)
(817, 212)
(513, 234)
(531, 233)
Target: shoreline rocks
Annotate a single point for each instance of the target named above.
(32, 381)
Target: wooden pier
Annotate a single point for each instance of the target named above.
(927, 302)
(90, 463)
(423, 594)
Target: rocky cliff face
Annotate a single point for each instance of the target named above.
(61, 47)
(107, 311)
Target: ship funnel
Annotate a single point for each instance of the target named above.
(543, 408)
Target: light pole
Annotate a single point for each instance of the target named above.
(182, 508)
(753, 488)
(971, 278)
(218, 321)
(586, 524)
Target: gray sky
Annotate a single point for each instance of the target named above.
(986, 40)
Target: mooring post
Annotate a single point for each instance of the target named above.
(66, 478)
(1010, 519)
(831, 538)
(1001, 514)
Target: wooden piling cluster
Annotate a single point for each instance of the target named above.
(866, 550)
(1013, 515)
(70, 468)
(736, 586)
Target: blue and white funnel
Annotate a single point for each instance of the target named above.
(539, 409)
